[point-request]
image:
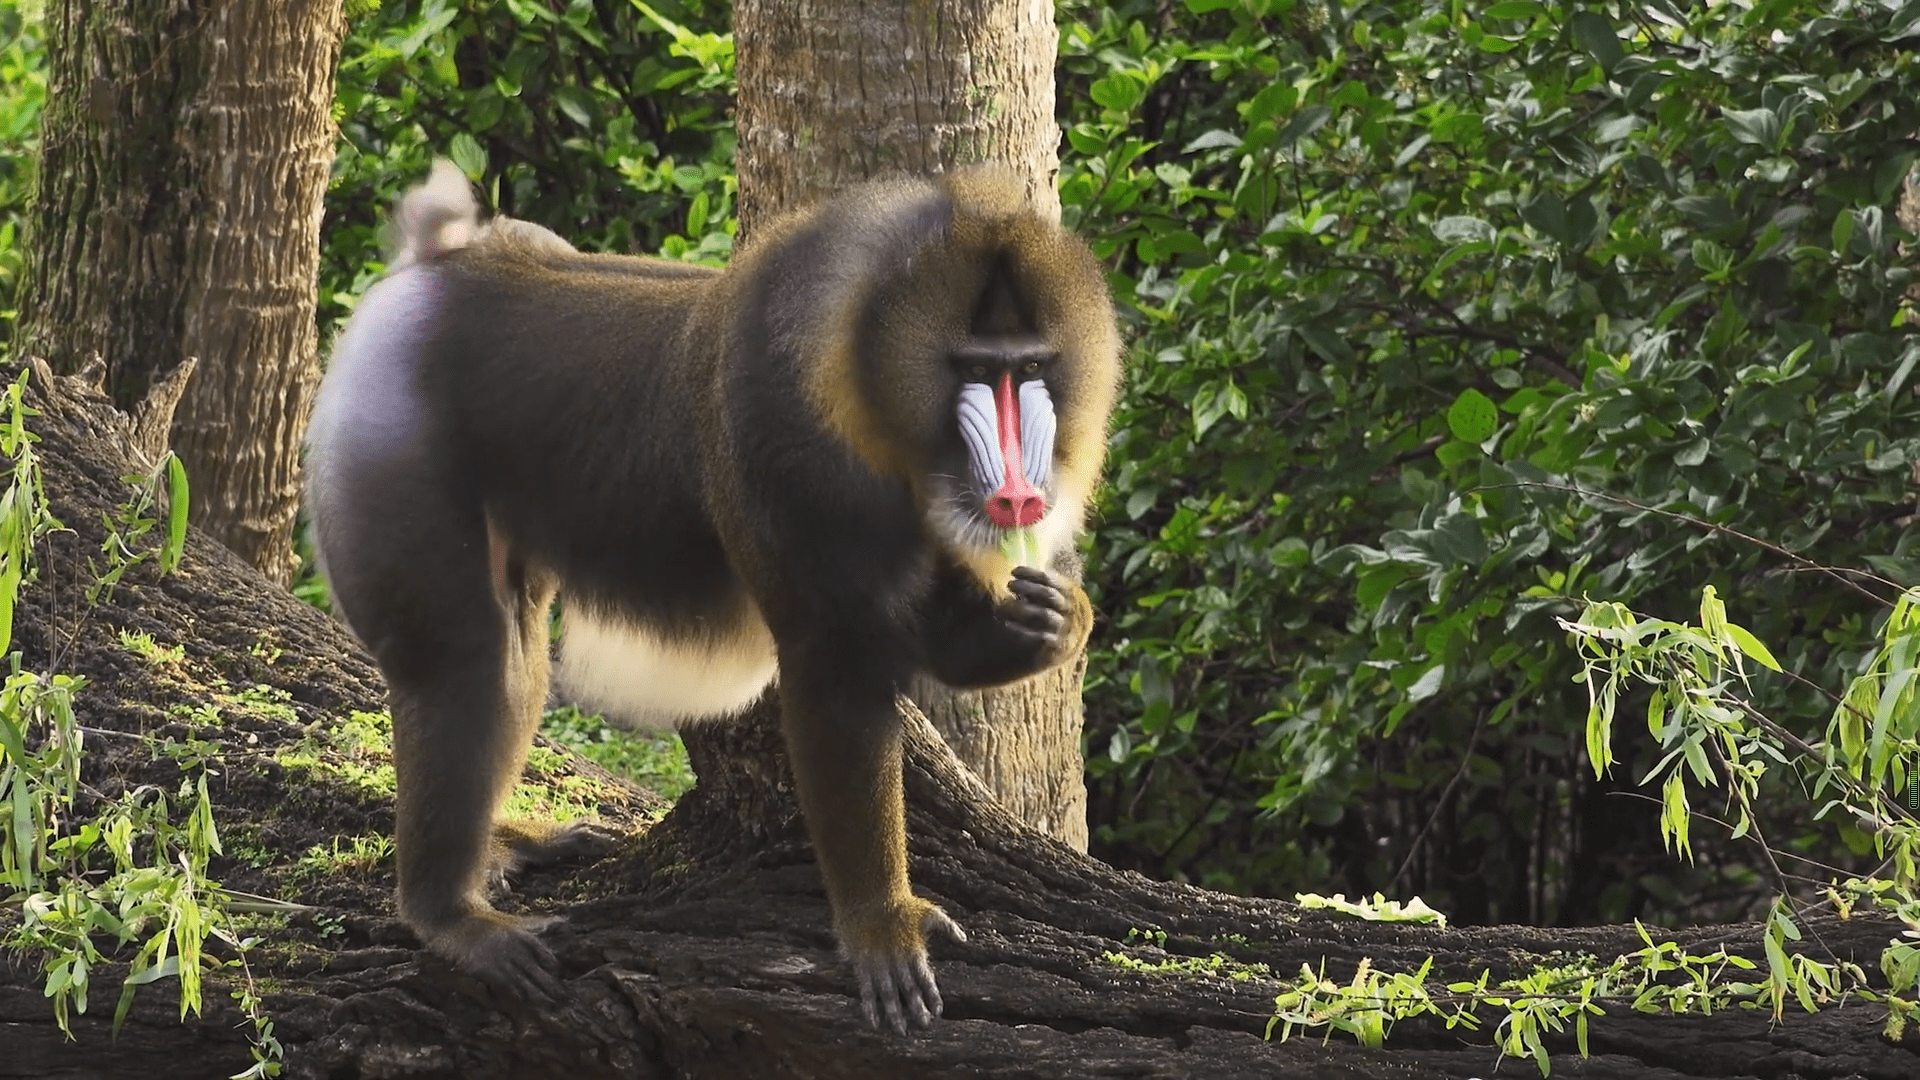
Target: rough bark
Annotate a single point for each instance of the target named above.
(185, 150)
(702, 948)
(831, 94)
(834, 93)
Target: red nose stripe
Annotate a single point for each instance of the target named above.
(1016, 504)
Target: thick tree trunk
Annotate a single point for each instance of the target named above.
(185, 149)
(831, 94)
(701, 949)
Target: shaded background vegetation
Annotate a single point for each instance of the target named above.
(1442, 317)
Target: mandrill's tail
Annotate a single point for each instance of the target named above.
(437, 217)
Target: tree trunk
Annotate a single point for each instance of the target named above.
(832, 94)
(185, 149)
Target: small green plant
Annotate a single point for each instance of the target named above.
(128, 873)
(1216, 965)
(265, 651)
(358, 751)
(1379, 909)
(24, 517)
(142, 645)
(164, 485)
(269, 702)
(359, 854)
(1705, 714)
(1661, 977)
(656, 762)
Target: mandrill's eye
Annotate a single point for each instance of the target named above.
(1031, 367)
(979, 372)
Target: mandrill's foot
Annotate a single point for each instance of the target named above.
(521, 843)
(501, 950)
(889, 953)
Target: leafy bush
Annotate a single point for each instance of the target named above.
(23, 90)
(1443, 321)
(607, 122)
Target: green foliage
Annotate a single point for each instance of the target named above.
(24, 517)
(1703, 712)
(605, 120)
(1443, 318)
(358, 752)
(23, 91)
(655, 762)
(1378, 909)
(1662, 977)
(128, 871)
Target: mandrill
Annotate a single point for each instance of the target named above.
(855, 453)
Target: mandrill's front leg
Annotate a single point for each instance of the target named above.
(843, 740)
(969, 640)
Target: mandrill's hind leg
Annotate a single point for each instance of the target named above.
(527, 594)
(460, 633)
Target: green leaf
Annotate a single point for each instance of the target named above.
(468, 155)
(1547, 213)
(1692, 454)
(1457, 539)
(1118, 92)
(1460, 228)
(177, 502)
(1455, 254)
(1472, 417)
(1461, 127)
(1898, 381)
(1428, 684)
(1330, 346)
(1515, 9)
(1594, 33)
(1454, 451)
(1212, 140)
(1744, 640)
(1377, 581)
(1759, 127)
(1304, 123)
(1707, 211)
(1842, 231)
(575, 104)
(1290, 551)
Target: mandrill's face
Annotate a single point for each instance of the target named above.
(1002, 499)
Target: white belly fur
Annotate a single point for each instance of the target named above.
(641, 680)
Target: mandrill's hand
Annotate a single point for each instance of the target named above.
(1050, 614)
(1038, 607)
(889, 953)
(973, 642)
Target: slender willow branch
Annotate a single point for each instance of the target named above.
(1844, 575)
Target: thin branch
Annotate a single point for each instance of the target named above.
(1843, 575)
(1440, 804)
